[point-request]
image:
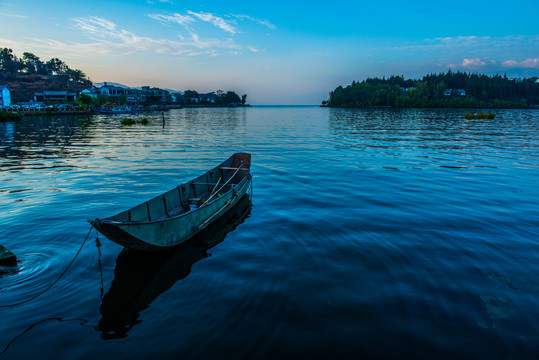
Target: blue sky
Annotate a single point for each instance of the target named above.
(279, 52)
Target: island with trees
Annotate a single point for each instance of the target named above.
(444, 90)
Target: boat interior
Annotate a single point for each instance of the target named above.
(191, 195)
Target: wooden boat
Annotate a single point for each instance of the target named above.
(180, 213)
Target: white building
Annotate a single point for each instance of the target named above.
(5, 96)
(90, 92)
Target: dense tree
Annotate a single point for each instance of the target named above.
(9, 62)
(438, 90)
(231, 98)
(30, 62)
(85, 100)
(56, 66)
(190, 94)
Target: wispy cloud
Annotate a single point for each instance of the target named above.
(498, 44)
(228, 25)
(253, 49)
(475, 53)
(14, 15)
(109, 38)
(524, 64)
(262, 22)
(214, 20)
(161, 1)
(190, 18)
(175, 18)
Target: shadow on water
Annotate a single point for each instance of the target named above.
(141, 277)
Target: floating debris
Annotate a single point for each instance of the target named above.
(131, 121)
(481, 115)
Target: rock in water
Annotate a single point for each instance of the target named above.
(7, 258)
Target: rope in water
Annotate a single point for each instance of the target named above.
(55, 281)
(83, 322)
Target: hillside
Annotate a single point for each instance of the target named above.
(23, 86)
(28, 74)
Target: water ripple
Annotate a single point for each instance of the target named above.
(373, 232)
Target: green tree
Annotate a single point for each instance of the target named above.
(56, 66)
(122, 99)
(102, 99)
(8, 61)
(85, 100)
(231, 98)
(30, 62)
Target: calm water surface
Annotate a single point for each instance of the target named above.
(372, 234)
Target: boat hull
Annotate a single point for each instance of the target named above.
(166, 233)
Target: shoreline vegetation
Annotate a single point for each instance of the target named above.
(444, 90)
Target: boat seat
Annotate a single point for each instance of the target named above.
(232, 168)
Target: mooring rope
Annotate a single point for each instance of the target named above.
(83, 322)
(55, 281)
(98, 245)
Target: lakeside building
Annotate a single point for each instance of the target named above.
(210, 97)
(134, 96)
(90, 92)
(5, 96)
(55, 96)
(176, 97)
(153, 95)
(113, 92)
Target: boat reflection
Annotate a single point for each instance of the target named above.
(141, 277)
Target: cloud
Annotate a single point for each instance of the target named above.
(94, 25)
(487, 54)
(265, 23)
(524, 64)
(190, 18)
(161, 1)
(214, 20)
(193, 17)
(108, 38)
(478, 43)
(477, 64)
(176, 18)
(473, 63)
(253, 49)
(14, 15)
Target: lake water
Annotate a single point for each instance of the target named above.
(372, 234)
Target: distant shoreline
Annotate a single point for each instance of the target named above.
(18, 115)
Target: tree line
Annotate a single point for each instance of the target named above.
(449, 89)
(30, 64)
